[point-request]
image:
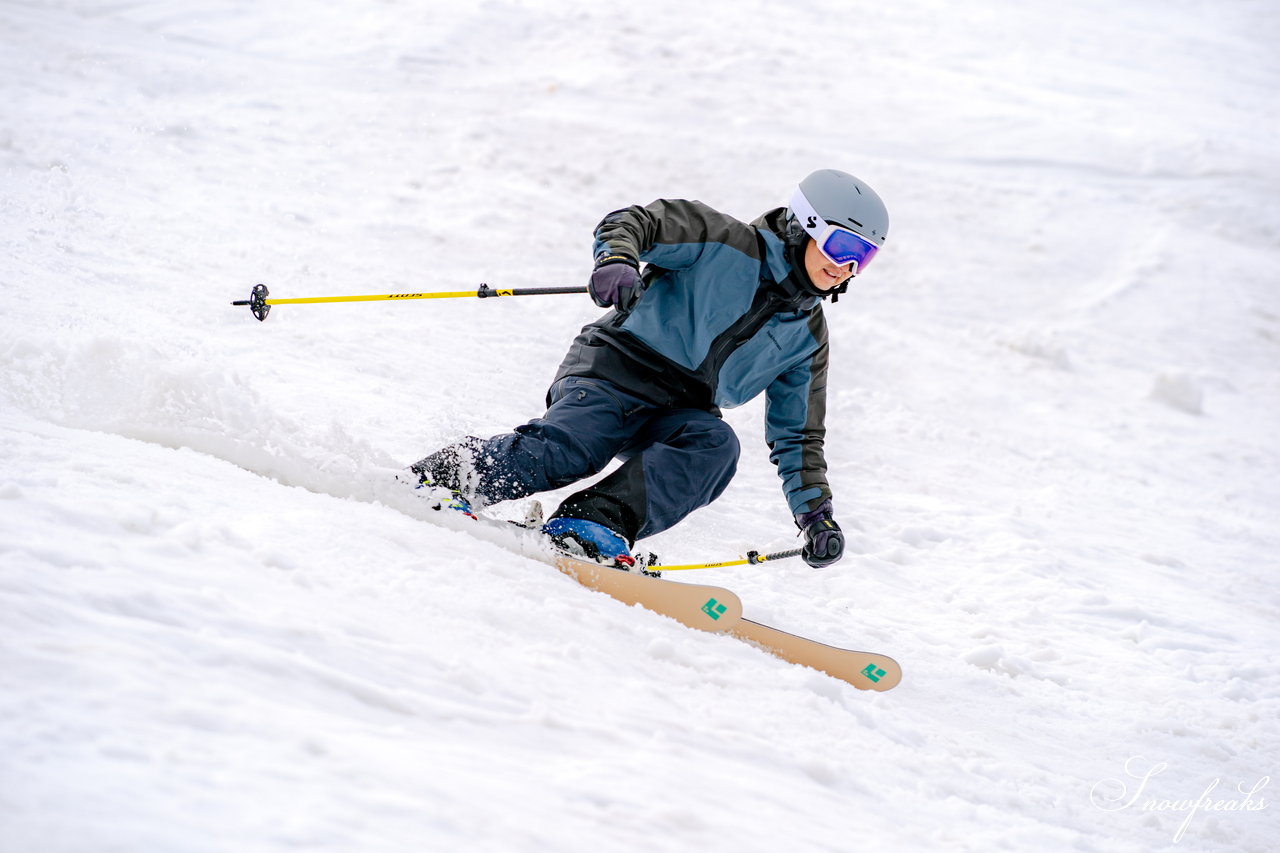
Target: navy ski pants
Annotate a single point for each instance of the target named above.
(674, 460)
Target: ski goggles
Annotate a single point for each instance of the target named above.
(840, 245)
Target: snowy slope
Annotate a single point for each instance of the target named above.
(1054, 415)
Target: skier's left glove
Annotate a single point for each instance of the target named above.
(616, 281)
(823, 541)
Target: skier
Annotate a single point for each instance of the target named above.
(722, 312)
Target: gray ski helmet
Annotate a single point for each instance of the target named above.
(838, 198)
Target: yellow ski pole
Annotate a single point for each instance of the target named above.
(260, 305)
(752, 558)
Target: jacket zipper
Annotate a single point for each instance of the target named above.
(747, 327)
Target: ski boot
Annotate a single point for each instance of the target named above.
(587, 540)
(440, 497)
(449, 476)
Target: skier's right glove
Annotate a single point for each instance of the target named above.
(823, 541)
(616, 281)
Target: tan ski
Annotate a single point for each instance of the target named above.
(864, 670)
(707, 608)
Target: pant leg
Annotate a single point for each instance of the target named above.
(585, 427)
(681, 460)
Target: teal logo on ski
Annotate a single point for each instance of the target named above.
(713, 608)
(873, 672)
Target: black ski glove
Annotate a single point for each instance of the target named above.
(823, 541)
(616, 281)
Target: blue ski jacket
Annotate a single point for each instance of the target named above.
(724, 317)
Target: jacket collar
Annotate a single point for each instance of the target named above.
(776, 264)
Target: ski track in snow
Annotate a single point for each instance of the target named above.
(1053, 423)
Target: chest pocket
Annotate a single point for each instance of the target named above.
(775, 349)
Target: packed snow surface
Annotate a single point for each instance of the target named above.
(1054, 416)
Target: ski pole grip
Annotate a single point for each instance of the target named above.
(487, 291)
(755, 557)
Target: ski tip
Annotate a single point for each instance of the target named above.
(880, 675)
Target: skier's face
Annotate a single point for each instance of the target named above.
(822, 272)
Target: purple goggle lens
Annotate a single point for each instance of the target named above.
(844, 247)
